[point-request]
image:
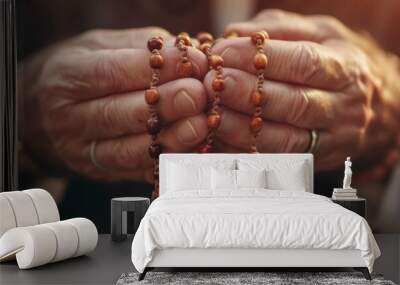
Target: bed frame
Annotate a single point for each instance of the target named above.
(242, 259)
(249, 259)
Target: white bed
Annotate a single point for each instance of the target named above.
(249, 227)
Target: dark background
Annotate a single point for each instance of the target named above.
(8, 114)
(43, 22)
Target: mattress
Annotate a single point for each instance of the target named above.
(251, 219)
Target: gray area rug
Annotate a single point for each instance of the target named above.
(232, 278)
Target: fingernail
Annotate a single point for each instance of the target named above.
(184, 103)
(230, 84)
(226, 126)
(187, 133)
(184, 69)
(231, 52)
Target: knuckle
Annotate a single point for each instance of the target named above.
(108, 114)
(59, 76)
(107, 73)
(363, 86)
(55, 66)
(328, 21)
(355, 68)
(307, 62)
(300, 107)
(142, 114)
(330, 25)
(362, 116)
(92, 37)
(360, 84)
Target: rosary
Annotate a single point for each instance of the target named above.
(185, 69)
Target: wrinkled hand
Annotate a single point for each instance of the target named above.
(320, 75)
(91, 88)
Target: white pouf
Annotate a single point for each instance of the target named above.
(23, 208)
(46, 207)
(40, 244)
(33, 246)
(26, 208)
(7, 218)
(67, 238)
(88, 235)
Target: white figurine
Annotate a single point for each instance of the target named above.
(347, 174)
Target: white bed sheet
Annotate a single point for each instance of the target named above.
(251, 218)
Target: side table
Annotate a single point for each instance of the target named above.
(119, 208)
(358, 205)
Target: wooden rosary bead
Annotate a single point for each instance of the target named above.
(152, 96)
(213, 121)
(205, 148)
(185, 68)
(204, 37)
(260, 61)
(155, 43)
(257, 37)
(156, 61)
(230, 35)
(215, 61)
(154, 151)
(153, 125)
(258, 98)
(185, 38)
(156, 190)
(218, 85)
(256, 124)
(156, 173)
(204, 47)
(266, 36)
(156, 176)
(184, 34)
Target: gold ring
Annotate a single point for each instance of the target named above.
(314, 141)
(93, 156)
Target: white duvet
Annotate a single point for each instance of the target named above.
(253, 218)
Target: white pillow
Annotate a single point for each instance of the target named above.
(183, 178)
(293, 179)
(223, 179)
(180, 173)
(251, 178)
(280, 174)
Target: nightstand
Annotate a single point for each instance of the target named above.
(119, 219)
(358, 205)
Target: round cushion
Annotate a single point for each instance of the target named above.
(23, 208)
(7, 220)
(45, 205)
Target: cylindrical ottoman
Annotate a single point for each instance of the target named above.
(119, 208)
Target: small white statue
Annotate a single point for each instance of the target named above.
(347, 174)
